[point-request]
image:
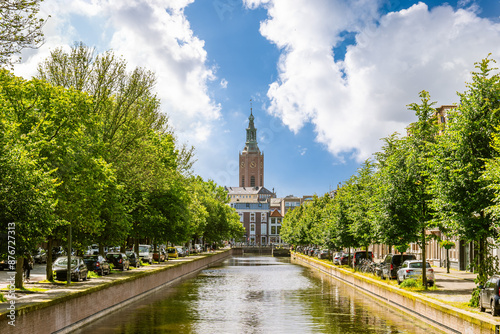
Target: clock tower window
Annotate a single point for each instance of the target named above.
(252, 181)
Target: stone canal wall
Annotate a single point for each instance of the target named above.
(436, 313)
(72, 310)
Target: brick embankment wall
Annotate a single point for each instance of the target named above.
(66, 313)
(435, 313)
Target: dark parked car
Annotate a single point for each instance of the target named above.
(160, 256)
(489, 295)
(133, 259)
(344, 259)
(97, 264)
(119, 260)
(392, 263)
(79, 270)
(4, 264)
(40, 256)
(359, 255)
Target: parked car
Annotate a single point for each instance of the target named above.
(119, 260)
(79, 270)
(489, 297)
(392, 263)
(323, 254)
(4, 263)
(186, 251)
(336, 258)
(97, 263)
(180, 251)
(172, 252)
(40, 256)
(145, 253)
(359, 255)
(344, 259)
(197, 248)
(133, 258)
(413, 269)
(160, 255)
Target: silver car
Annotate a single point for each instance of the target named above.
(413, 269)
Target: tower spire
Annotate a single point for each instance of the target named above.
(251, 142)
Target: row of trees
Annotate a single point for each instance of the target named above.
(443, 176)
(84, 148)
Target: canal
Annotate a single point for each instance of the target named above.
(257, 294)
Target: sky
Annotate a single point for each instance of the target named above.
(326, 79)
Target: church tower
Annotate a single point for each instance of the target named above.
(251, 160)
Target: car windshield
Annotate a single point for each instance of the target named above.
(63, 261)
(90, 258)
(171, 250)
(116, 256)
(418, 265)
(143, 249)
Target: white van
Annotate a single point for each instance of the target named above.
(145, 253)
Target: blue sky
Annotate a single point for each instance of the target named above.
(327, 78)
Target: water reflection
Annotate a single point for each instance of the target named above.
(257, 295)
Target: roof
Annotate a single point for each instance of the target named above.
(248, 191)
(276, 213)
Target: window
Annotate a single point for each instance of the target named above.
(243, 181)
(278, 230)
(263, 229)
(252, 228)
(263, 216)
(241, 216)
(273, 229)
(252, 181)
(252, 216)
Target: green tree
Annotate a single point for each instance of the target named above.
(128, 121)
(361, 210)
(19, 28)
(404, 172)
(339, 223)
(461, 195)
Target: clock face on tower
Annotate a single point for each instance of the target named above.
(252, 164)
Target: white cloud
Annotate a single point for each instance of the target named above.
(153, 34)
(355, 102)
(223, 83)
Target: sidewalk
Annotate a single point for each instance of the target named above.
(455, 287)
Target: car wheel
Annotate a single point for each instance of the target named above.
(494, 311)
(481, 308)
(86, 276)
(79, 278)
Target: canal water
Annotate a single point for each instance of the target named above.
(257, 294)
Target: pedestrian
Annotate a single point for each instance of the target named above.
(26, 267)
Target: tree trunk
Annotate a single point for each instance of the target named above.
(48, 269)
(424, 261)
(481, 266)
(19, 272)
(447, 260)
